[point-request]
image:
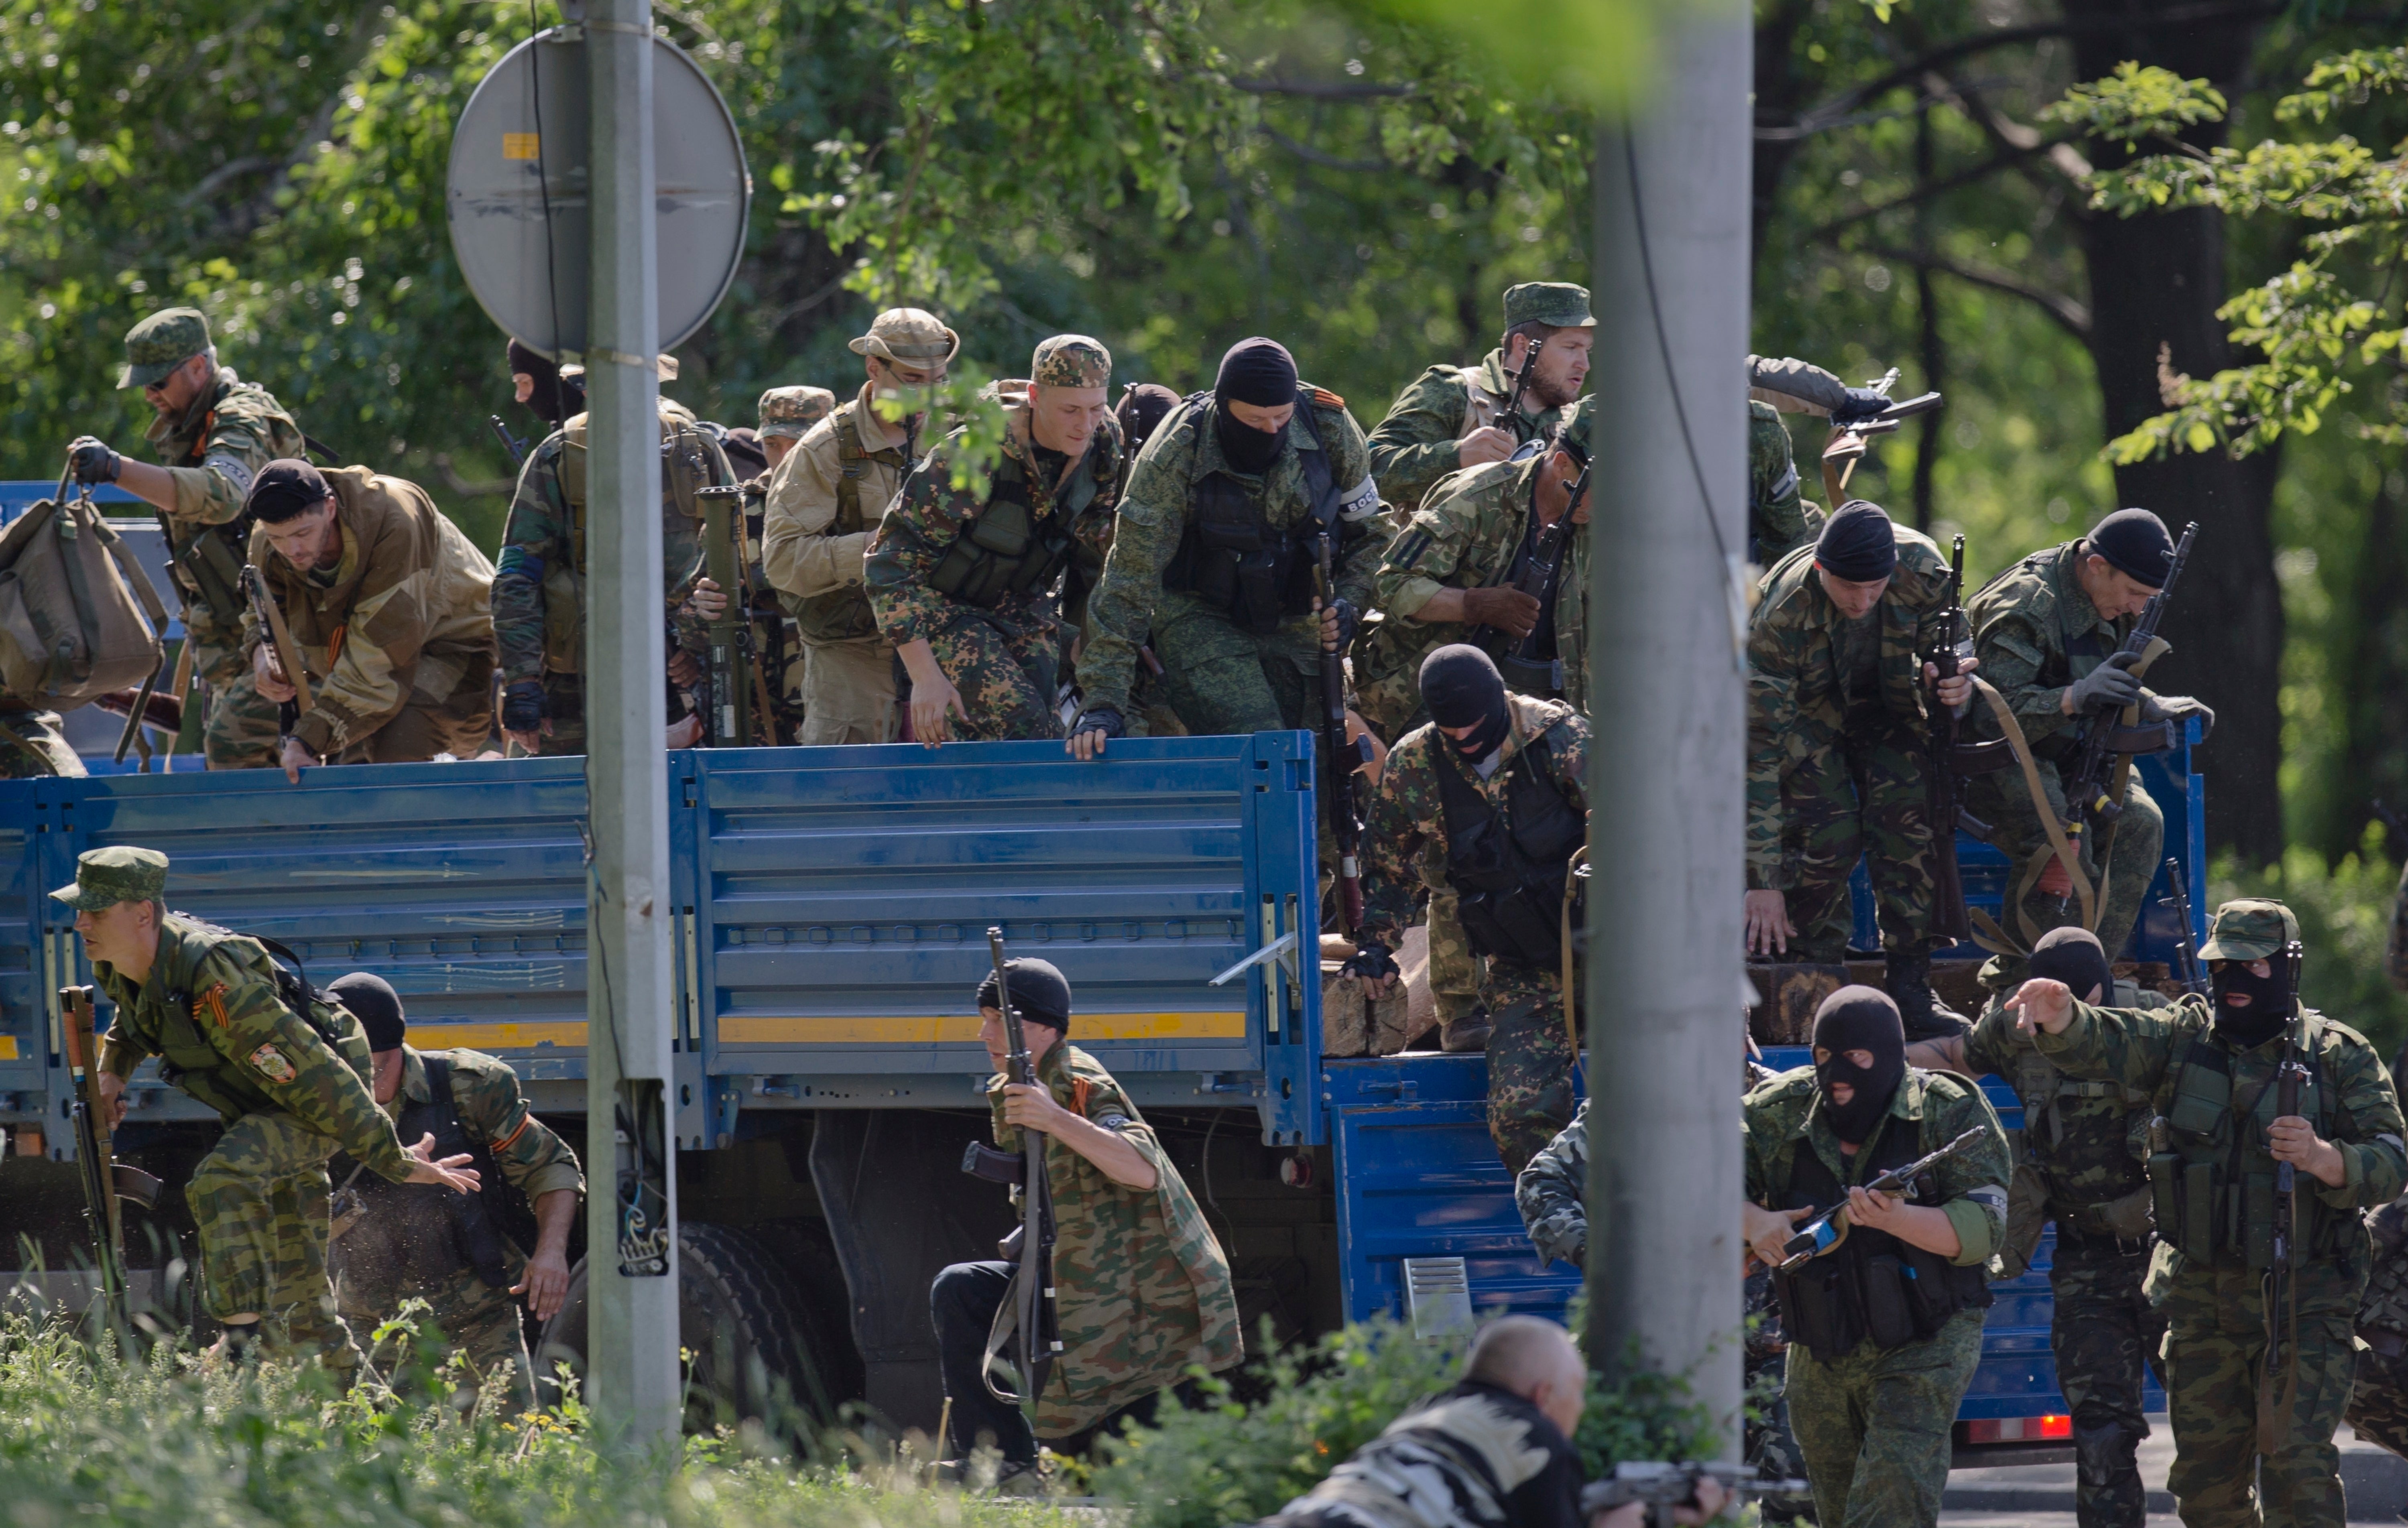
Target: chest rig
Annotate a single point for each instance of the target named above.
(411, 1237)
(1015, 546)
(1507, 870)
(1233, 558)
(188, 1060)
(2212, 1176)
(843, 615)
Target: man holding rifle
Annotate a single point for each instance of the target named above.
(1142, 1290)
(1451, 418)
(2274, 1125)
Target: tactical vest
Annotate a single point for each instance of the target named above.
(2214, 1180)
(1233, 558)
(205, 561)
(843, 615)
(1011, 547)
(2116, 1144)
(188, 1060)
(1872, 1285)
(1507, 875)
(416, 1235)
(690, 461)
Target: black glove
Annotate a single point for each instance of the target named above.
(90, 462)
(1102, 719)
(522, 706)
(1349, 619)
(2179, 709)
(1863, 404)
(2109, 685)
(1369, 961)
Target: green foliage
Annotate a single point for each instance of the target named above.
(2344, 913)
(2136, 103)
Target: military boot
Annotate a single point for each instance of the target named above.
(1907, 979)
(1466, 1033)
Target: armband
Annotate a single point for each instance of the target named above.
(1990, 1197)
(1114, 1123)
(1361, 502)
(1788, 483)
(231, 467)
(518, 562)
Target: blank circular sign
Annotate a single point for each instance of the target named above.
(517, 194)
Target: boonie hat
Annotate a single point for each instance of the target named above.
(120, 873)
(912, 335)
(161, 343)
(2249, 929)
(1559, 304)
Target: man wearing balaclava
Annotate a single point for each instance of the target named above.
(2211, 1066)
(1490, 797)
(1836, 739)
(1884, 1325)
(1214, 550)
(2045, 631)
(2079, 1170)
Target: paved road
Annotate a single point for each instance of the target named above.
(2043, 1496)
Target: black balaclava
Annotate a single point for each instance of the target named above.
(1461, 686)
(553, 401)
(373, 1002)
(1259, 371)
(1858, 544)
(1039, 992)
(1859, 1018)
(2073, 956)
(2270, 1000)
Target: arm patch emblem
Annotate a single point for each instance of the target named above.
(213, 1003)
(272, 1064)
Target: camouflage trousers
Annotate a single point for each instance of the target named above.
(1530, 1060)
(1874, 1427)
(32, 746)
(849, 693)
(465, 1316)
(1863, 798)
(1454, 969)
(563, 715)
(1004, 671)
(260, 1202)
(2002, 800)
(2378, 1401)
(241, 731)
(2101, 1331)
(1221, 679)
(2216, 1344)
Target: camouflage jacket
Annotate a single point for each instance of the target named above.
(1409, 815)
(1129, 598)
(814, 543)
(1785, 1117)
(930, 514)
(407, 610)
(211, 1013)
(1551, 1194)
(212, 453)
(1467, 534)
(539, 579)
(485, 1092)
(2088, 1140)
(2036, 631)
(1143, 1290)
(1798, 706)
(2383, 1309)
(1419, 442)
(1778, 519)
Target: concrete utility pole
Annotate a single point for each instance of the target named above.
(631, 1247)
(1667, 775)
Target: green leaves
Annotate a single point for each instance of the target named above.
(2136, 103)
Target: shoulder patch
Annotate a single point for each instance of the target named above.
(212, 1002)
(272, 1065)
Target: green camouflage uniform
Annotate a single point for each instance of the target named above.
(539, 579)
(1121, 1254)
(2378, 1402)
(1420, 442)
(1874, 1426)
(1530, 1054)
(2216, 1335)
(1835, 750)
(2035, 633)
(1220, 677)
(474, 1317)
(1779, 520)
(2085, 1164)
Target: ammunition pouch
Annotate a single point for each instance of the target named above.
(1006, 548)
(189, 1062)
(1507, 870)
(1234, 559)
(2214, 1196)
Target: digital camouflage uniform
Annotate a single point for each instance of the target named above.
(2213, 1304)
(1779, 520)
(373, 1265)
(2035, 633)
(1143, 1293)
(2085, 1165)
(540, 579)
(1531, 1052)
(1835, 750)
(2378, 1402)
(397, 637)
(1874, 1425)
(290, 1089)
(997, 644)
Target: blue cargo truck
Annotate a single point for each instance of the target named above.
(830, 915)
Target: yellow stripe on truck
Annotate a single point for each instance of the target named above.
(801, 1030)
(567, 1032)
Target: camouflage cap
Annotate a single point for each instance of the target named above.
(120, 872)
(1572, 433)
(161, 343)
(1558, 304)
(2251, 929)
(1071, 361)
(789, 412)
(912, 335)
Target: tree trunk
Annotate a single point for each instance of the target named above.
(2155, 282)
(2375, 717)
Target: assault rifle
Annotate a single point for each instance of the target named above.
(2104, 742)
(1521, 671)
(1828, 1229)
(1521, 385)
(288, 657)
(1849, 441)
(2187, 969)
(1663, 1486)
(727, 709)
(105, 1180)
(1035, 1328)
(1343, 806)
(510, 443)
(2279, 1295)
(1951, 649)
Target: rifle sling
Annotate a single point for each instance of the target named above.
(1987, 933)
(2122, 779)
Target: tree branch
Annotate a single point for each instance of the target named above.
(1314, 156)
(2007, 158)
(1336, 90)
(2072, 317)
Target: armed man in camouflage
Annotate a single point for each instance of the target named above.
(1491, 796)
(1885, 1327)
(2085, 1166)
(1779, 518)
(1456, 417)
(288, 1077)
(824, 504)
(540, 579)
(2378, 1399)
(1214, 550)
(2210, 1066)
(390, 609)
(1142, 1291)
(2043, 631)
(787, 414)
(213, 432)
(964, 582)
(466, 1255)
(1836, 740)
